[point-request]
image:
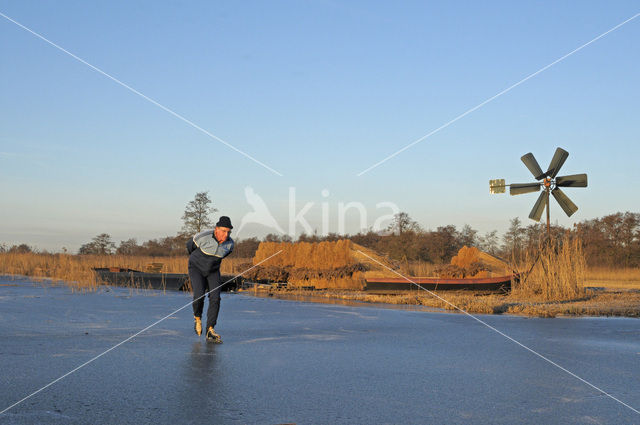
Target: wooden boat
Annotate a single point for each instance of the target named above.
(165, 281)
(389, 284)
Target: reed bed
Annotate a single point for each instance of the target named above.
(557, 272)
(77, 270)
(419, 269)
(628, 278)
(554, 287)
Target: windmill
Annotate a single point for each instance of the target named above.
(549, 183)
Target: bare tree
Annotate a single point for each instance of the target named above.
(99, 245)
(489, 242)
(128, 247)
(514, 238)
(197, 214)
(23, 248)
(403, 223)
(468, 236)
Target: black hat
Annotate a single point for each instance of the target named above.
(224, 222)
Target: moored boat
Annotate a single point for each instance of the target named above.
(388, 284)
(164, 281)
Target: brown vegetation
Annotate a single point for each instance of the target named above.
(613, 277)
(557, 271)
(624, 304)
(612, 240)
(465, 264)
(78, 269)
(610, 245)
(306, 255)
(339, 264)
(321, 265)
(418, 269)
(552, 284)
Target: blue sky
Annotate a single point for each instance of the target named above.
(318, 91)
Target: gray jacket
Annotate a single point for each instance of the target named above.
(205, 253)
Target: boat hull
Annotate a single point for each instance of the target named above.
(164, 281)
(500, 283)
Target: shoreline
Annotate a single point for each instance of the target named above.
(596, 302)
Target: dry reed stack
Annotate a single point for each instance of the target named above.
(471, 262)
(323, 265)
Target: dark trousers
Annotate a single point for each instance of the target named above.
(201, 285)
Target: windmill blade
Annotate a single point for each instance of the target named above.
(556, 162)
(538, 207)
(564, 201)
(574, 180)
(520, 188)
(533, 166)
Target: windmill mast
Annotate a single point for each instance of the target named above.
(547, 188)
(548, 215)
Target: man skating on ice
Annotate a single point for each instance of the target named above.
(206, 251)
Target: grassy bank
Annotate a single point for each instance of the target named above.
(621, 296)
(77, 270)
(552, 283)
(593, 303)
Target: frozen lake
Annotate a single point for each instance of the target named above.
(306, 363)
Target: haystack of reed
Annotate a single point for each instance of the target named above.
(473, 263)
(320, 255)
(324, 265)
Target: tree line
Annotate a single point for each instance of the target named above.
(611, 241)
